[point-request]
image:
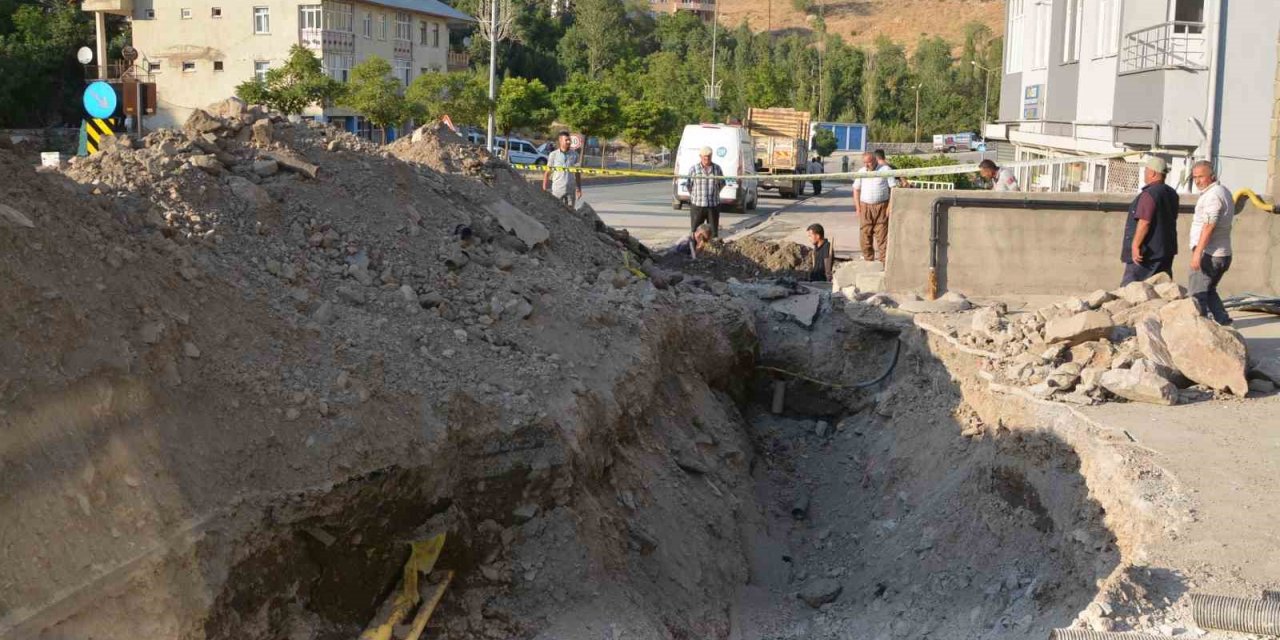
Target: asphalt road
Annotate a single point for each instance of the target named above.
(644, 209)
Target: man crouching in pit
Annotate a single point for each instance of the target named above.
(691, 244)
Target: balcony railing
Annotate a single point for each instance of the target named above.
(403, 49)
(1171, 45)
(327, 40)
(458, 61)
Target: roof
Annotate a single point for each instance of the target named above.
(433, 7)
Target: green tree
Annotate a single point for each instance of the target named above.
(644, 121)
(299, 83)
(461, 95)
(589, 106)
(600, 36)
(824, 142)
(41, 82)
(523, 104)
(376, 95)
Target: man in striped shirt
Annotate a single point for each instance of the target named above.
(871, 199)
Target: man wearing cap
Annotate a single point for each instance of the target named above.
(704, 183)
(1151, 230)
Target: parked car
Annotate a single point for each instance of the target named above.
(519, 151)
(952, 142)
(732, 150)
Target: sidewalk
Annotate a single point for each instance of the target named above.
(833, 210)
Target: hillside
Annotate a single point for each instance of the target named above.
(860, 21)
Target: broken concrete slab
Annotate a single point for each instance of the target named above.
(1203, 350)
(525, 226)
(846, 273)
(803, 309)
(294, 163)
(1151, 342)
(1098, 298)
(1139, 384)
(951, 302)
(870, 282)
(10, 217)
(1136, 292)
(1081, 327)
(1171, 291)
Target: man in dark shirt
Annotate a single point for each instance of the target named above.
(823, 257)
(1151, 230)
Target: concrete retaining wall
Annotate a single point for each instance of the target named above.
(988, 251)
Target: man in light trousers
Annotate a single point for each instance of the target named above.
(871, 199)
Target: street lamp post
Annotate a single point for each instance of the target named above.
(917, 88)
(986, 95)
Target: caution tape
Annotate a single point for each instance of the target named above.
(917, 172)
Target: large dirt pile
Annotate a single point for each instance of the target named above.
(246, 362)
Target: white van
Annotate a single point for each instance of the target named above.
(731, 148)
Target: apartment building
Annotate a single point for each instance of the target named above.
(704, 9)
(197, 51)
(1192, 79)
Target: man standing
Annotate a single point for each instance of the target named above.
(871, 199)
(815, 168)
(1151, 231)
(822, 256)
(1000, 179)
(1210, 241)
(704, 183)
(555, 174)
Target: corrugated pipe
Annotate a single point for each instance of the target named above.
(1242, 615)
(942, 205)
(1085, 634)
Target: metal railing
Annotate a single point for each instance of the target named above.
(457, 60)
(1169, 45)
(327, 40)
(925, 184)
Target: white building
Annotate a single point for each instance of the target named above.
(1190, 78)
(197, 51)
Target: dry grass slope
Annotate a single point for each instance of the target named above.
(860, 21)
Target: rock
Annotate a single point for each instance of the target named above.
(1074, 305)
(870, 281)
(323, 314)
(986, 322)
(524, 513)
(255, 196)
(523, 225)
(408, 294)
(1093, 354)
(1065, 376)
(1090, 379)
(260, 133)
(803, 309)
(1202, 350)
(761, 291)
(1116, 306)
(1170, 291)
(1159, 279)
(151, 332)
(207, 162)
(1136, 292)
(846, 273)
(190, 350)
(361, 274)
(1151, 342)
(293, 162)
(1081, 327)
(431, 299)
(265, 168)
(200, 122)
(351, 295)
(820, 591)
(1130, 316)
(1098, 298)
(822, 428)
(10, 217)
(941, 305)
(1139, 384)
(229, 108)
(1261, 386)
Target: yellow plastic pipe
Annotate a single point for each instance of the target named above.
(1254, 198)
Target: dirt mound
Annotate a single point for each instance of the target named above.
(744, 259)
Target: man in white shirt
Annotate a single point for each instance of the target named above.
(999, 178)
(1210, 241)
(562, 157)
(871, 200)
(815, 168)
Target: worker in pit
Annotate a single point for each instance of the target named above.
(1000, 179)
(691, 244)
(822, 257)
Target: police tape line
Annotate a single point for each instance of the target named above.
(843, 175)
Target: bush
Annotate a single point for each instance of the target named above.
(960, 180)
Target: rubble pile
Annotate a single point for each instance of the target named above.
(1145, 342)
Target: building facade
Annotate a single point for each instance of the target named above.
(1191, 79)
(197, 51)
(704, 9)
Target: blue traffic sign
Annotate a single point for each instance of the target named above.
(100, 100)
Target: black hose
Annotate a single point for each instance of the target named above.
(897, 348)
(1242, 615)
(1085, 634)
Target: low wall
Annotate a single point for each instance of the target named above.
(991, 251)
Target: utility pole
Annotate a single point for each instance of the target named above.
(917, 87)
(493, 72)
(713, 88)
(822, 47)
(100, 34)
(986, 95)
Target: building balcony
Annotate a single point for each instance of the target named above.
(458, 61)
(327, 40)
(700, 6)
(403, 49)
(120, 7)
(1170, 45)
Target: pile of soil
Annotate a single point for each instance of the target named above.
(745, 259)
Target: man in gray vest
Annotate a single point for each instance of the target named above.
(1151, 230)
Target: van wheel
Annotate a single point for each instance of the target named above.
(951, 149)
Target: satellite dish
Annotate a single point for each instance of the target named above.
(129, 53)
(84, 55)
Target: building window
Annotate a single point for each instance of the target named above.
(382, 27)
(217, 65)
(404, 30)
(188, 66)
(422, 33)
(366, 26)
(403, 71)
(153, 67)
(260, 68)
(1107, 42)
(338, 16)
(435, 34)
(150, 14)
(309, 16)
(338, 66)
(261, 20)
(1071, 32)
(185, 13)
(215, 12)
(1044, 23)
(1014, 54)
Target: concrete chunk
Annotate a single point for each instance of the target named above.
(1098, 298)
(525, 226)
(803, 309)
(1136, 292)
(1081, 327)
(1170, 291)
(294, 163)
(10, 217)
(1140, 384)
(1151, 342)
(1203, 350)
